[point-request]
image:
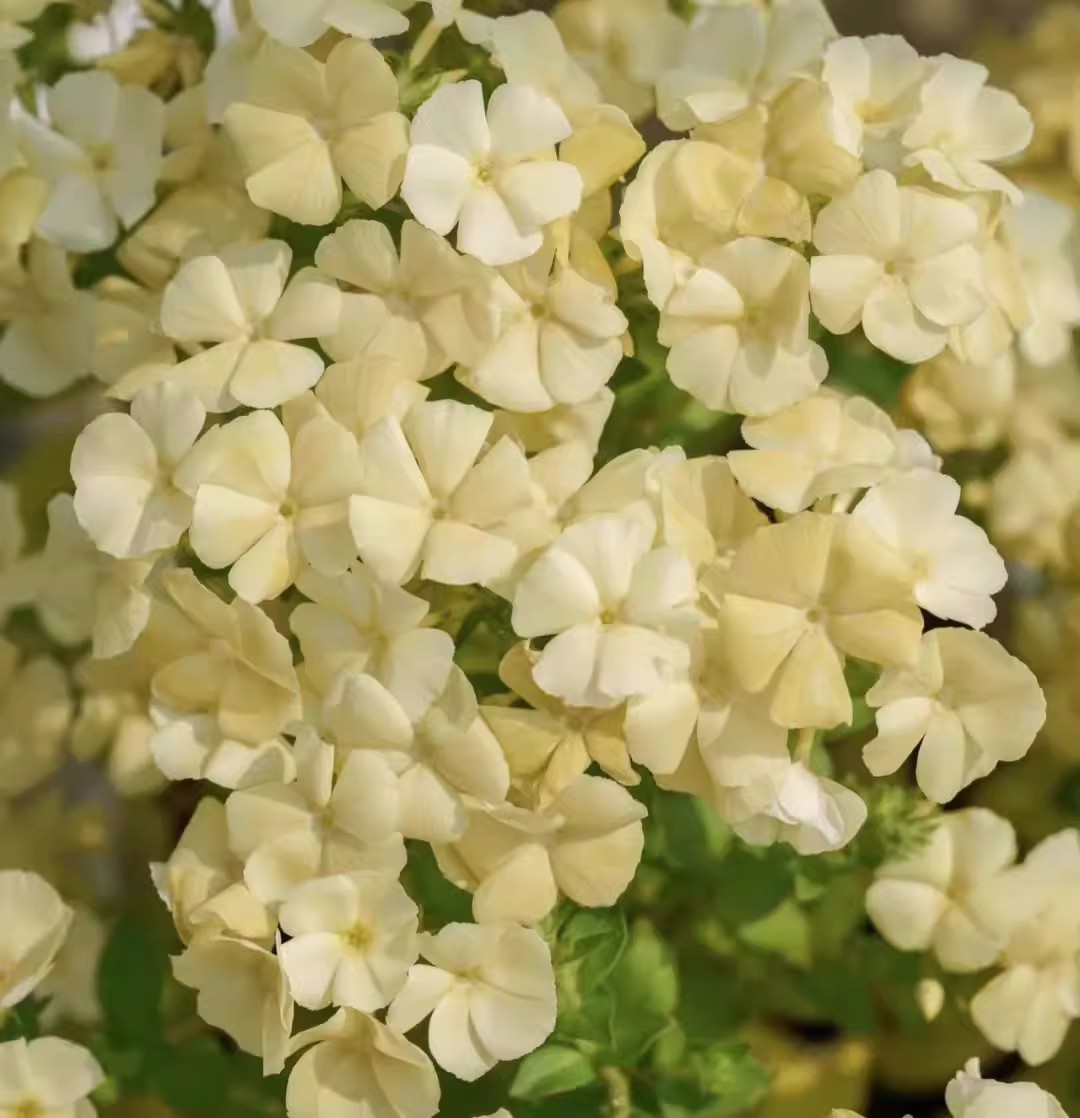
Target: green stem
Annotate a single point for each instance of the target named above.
(618, 1087)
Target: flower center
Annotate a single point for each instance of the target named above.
(359, 937)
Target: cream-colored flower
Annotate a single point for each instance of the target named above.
(356, 624)
(969, 703)
(808, 812)
(36, 922)
(389, 293)
(357, 1064)
(127, 322)
(232, 680)
(604, 144)
(302, 126)
(1030, 1005)
(964, 126)
(625, 46)
(242, 990)
(35, 715)
(317, 826)
(80, 593)
(961, 406)
(123, 467)
(621, 610)
(955, 568)
(490, 992)
(202, 884)
(585, 845)
(549, 744)
(299, 23)
(431, 500)
(47, 1076)
(930, 899)
(1040, 234)
(423, 764)
(968, 1095)
(493, 175)
(1031, 498)
(353, 941)
(559, 341)
(582, 423)
(13, 13)
(875, 84)
(22, 195)
(738, 328)
(48, 342)
(801, 595)
(267, 500)
(735, 56)
(900, 260)
(238, 303)
(70, 989)
(101, 158)
(364, 390)
(823, 446)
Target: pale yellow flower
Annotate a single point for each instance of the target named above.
(243, 991)
(490, 992)
(356, 1063)
(302, 126)
(929, 901)
(47, 1076)
(803, 594)
(966, 700)
(299, 23)
(36, 922)
(585, 845)
(238, 303)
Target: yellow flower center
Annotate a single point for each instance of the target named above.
(359, 938)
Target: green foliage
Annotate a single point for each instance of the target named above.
(552, 1070)
(720, 1080)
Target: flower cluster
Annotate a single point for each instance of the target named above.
(361, 340)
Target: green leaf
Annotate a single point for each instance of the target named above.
(685, 833)
(593, 941)
(750, 882)
(131, 976)
(552, 1070)
(194, 1076)
(785, 932)
(645, 991)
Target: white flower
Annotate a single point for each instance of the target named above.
(738, 328)
(585, 845)
(956, 569)
(490, 992)
(421, 764)
(809, 812)
(12, 14)
(357, 624)
(353, 941)
(900, 260)
(47, 1076)
(734, 56)
(101, 159)
(123, 467)
(493, 176)
(238, 302)
(622, 612)
(49, 340)
(266, 502)
(302, 126)
(287, 834)
(36, 922)
(963, 126)
(299, 23)
(968, 1095)
(429, 502)
(357, 1065)
(242, 990)
(875, 84)
(930, 900)
(968, 702)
